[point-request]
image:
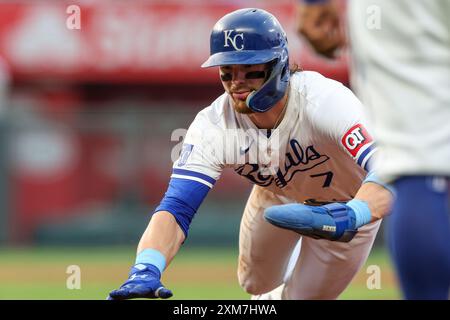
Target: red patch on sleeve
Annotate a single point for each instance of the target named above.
(356, 138)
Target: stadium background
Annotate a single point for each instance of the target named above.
(87, 120)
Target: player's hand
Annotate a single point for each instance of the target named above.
(321, 25)
(335, 221)
(143, 282)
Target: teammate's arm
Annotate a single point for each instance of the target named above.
(318, 21)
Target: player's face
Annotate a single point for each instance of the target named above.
(240, 80)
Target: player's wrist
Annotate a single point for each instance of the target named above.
(144, 271)
(151, 257)
(361, 211)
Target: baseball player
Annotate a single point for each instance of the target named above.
(304, 143)
(402, 73)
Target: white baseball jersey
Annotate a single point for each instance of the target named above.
(320, 149)
(401, 51)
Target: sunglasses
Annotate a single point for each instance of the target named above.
(227, 76)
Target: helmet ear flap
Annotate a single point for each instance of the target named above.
(270, 66)
(285, 70)
(273, 89)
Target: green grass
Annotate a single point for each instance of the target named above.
(194, 274)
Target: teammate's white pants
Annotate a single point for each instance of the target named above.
(323, 270)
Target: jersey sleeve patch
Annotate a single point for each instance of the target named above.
(356, 139)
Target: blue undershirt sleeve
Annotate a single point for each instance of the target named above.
(182, 200)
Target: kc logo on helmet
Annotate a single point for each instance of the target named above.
(355, 138)
(233, 39)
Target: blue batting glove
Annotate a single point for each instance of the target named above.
(334, 221)
(143, 282)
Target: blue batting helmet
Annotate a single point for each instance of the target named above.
(253, 36)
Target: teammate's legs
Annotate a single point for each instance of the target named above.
(419, 237)
(264, 250)
(325, 268)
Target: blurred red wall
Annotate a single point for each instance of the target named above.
(157, 46)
